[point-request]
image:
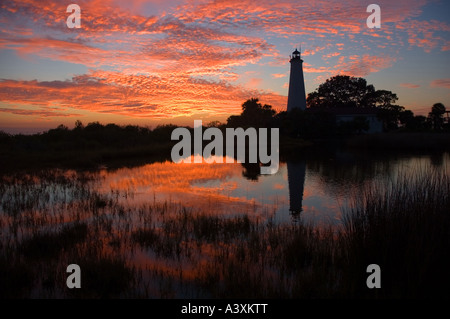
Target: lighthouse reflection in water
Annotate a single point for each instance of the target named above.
(296, 171)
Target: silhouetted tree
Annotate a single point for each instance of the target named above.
(405, 117)
(388, 112)
(381, 99)
(215, 124)
(436, 116)
(418, 123)
(163, 133)
(342, 91)
(254, 114)
(111, 127)
(94, 127)
(390, 115)
(79, 125)
(4, 137)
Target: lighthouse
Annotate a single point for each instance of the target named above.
(296, 94)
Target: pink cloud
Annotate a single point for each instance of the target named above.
(361, 66)
(307, 68)
(330, 55)
(443, 83)
(73, 52)
(409, 85)
(425, 34)
(254, 82)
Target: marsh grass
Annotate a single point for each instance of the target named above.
(404, 227)
(49, 245)
(166, 250)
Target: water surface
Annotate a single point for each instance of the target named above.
(178, 230)
(316, 190)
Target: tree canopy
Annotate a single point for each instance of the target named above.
(254, 114)
(343, 91)
(347, 91)
(436, 116)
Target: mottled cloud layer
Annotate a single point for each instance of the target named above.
(185, 58)
(132, 95)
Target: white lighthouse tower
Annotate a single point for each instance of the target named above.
(296, 94)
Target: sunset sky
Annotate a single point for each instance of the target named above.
(172, 61)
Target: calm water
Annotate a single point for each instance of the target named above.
(150, 220)
(312, 189)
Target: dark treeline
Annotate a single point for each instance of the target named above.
(93, 135)
(85, 146)
(95, 144)
(338, 94)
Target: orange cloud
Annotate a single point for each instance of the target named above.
(135, 95)
(38, 113)
(254, 82)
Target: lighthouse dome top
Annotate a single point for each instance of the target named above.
(296, 54)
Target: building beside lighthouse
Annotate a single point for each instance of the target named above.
(296, 94)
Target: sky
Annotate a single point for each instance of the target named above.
(157, 62)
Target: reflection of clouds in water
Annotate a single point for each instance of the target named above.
(199, 159)
(218, 188)
(207, 186)
(168, 176)
(320, 189)
(278, 186)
